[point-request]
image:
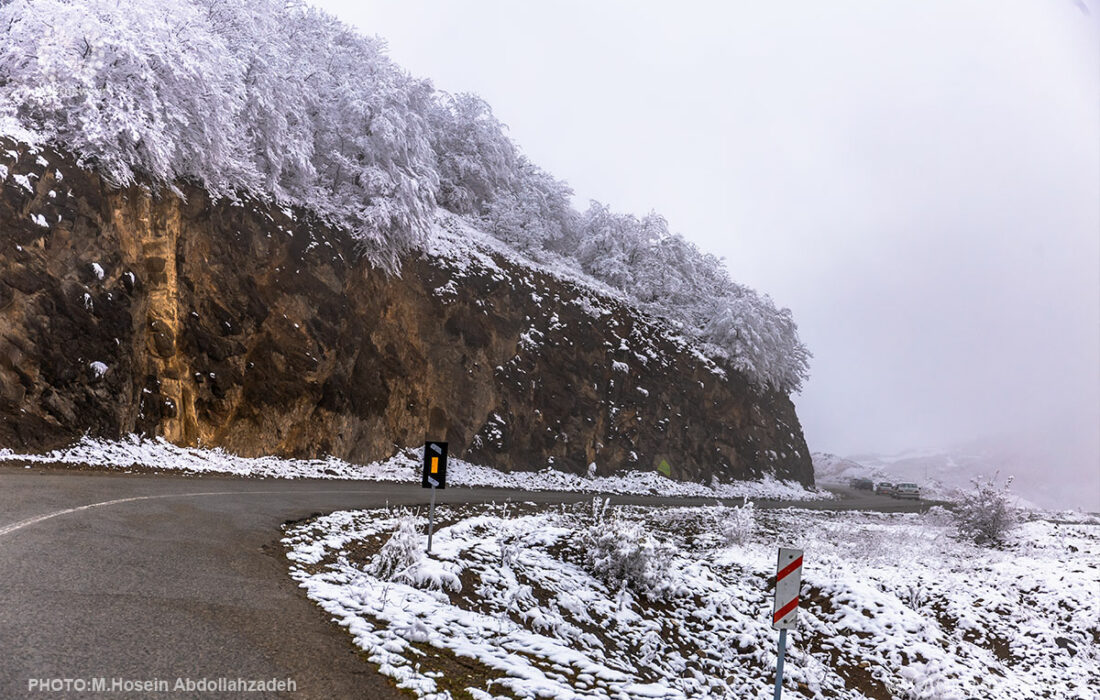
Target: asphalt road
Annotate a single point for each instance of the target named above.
(151, 577)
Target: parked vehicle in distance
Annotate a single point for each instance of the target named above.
(862, 484)
(885, 488)
(906, 489)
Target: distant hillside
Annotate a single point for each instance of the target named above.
(831, 469)
(940, 473)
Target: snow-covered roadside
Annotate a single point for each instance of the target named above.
(893, 604)
(134, 451)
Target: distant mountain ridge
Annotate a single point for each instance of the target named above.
(939, 472)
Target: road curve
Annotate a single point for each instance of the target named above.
(158, 577)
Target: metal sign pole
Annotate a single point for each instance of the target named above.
(434, 476)
(779, 665)
(431, 516)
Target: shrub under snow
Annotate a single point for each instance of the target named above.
(401, 553)
(985, 514)
(623, 554)
(401, 560)
(737, 525)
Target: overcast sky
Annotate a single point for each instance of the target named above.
(919, 182)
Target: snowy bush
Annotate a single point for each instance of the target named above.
(622, 554)
(930, 681)
(985, 513)
(280, 101)
(938, 516)
(401, 560)
(600, 509)
(400, 556)
(738, 524)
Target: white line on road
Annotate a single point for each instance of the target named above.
(8, 529)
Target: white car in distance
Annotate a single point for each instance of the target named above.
(906, 489)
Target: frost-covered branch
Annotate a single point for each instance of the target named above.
(279, 100)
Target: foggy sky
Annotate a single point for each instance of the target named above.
(919, 183)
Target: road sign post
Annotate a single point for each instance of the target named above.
(779, 664)
(434, 476)
(431, 516)
(788, 582)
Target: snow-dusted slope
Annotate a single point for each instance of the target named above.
(833, 469)
(939, 473)
(525, 605)
(158, 455)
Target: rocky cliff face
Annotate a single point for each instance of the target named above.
(260, 331)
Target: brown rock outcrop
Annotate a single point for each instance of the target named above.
(256, 329)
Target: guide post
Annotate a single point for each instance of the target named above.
(434, 477)
(788, 581)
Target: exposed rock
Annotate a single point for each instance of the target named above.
(245, 327)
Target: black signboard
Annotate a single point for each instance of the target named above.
(435, 465)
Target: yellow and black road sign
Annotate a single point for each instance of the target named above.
(435, 465)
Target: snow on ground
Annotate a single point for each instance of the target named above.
(134, 451)
(513, 603)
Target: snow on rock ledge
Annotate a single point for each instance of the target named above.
(259, 330)
(157, 454)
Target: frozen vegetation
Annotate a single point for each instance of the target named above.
(595, 602)
(134, 452)
(277, 100)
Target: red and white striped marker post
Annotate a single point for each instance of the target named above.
(788, 582)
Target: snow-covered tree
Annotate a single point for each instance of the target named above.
(610, 246)
(671, 277)
(144, 87)
(535, 213)
(762, 341)
(477, 161)
(274, 99)
(278, 100)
